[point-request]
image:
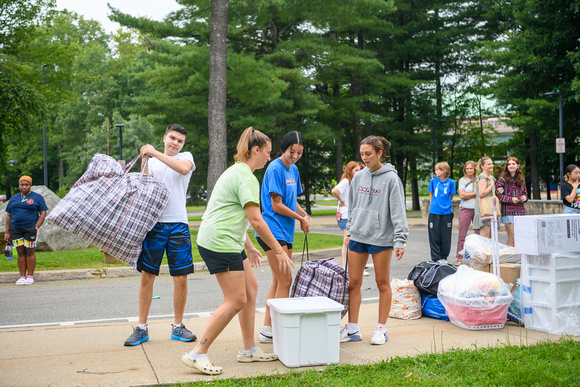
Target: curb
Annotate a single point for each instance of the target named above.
(120, 272)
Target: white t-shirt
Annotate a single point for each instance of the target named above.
(468, 186)
(343, 189)
(176, 183)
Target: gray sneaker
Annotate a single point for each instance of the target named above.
(182, 334)
(139, 336)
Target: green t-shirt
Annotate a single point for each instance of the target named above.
(224, 224)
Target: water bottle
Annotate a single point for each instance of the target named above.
(8, 252)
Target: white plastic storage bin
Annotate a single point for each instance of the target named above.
(551, 290)
(306, 330)
(546, 234)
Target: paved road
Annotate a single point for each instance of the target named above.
(82, 301)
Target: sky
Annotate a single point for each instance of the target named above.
(98, 10)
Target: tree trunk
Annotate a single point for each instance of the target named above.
(218, 30)
(416, 205)
(60, 167)
(338, 133)
(534, 166)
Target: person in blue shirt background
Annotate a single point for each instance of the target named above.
(280, 209)
(25, 215)
(441, 191)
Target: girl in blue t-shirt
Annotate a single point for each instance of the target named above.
(280, 210)
(441, 191)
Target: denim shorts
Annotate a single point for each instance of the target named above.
(507, 219)
(359, 247)
(570, 210)
(342, 223)
(173, 238)
(222, 262)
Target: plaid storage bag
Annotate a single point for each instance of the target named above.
(321, 277)
(111, 208)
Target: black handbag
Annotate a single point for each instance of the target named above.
(426, 275)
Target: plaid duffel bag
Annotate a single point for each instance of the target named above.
(112, 208)
(322, 277)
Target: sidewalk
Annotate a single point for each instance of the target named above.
(94, 355)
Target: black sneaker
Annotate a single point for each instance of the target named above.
(139, 336)
(182, 334)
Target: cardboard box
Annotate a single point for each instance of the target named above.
(509, 272)
(306, 330)
(547, 234)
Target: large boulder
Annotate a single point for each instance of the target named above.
(50, 237)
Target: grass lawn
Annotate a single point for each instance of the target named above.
(92, 258)
(543, 364)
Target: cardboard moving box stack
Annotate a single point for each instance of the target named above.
(509, 272)
(550, 272)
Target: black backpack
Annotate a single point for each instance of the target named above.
(426, 275)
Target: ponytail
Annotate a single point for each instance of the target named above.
(249, 139)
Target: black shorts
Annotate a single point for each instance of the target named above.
(265, 247)
(24, 237)
(222, 262)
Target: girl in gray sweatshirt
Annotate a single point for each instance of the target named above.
(377, 226)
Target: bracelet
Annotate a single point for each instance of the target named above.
(281, 252)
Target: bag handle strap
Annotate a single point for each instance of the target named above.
(305, 249)
(131, 163)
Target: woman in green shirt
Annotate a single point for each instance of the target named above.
(222, 238)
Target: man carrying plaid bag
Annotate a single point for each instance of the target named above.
(170, 234)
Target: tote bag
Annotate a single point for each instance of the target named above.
(112, 208)
(486, 205)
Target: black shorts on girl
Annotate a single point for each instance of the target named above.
(265, 247)
(24, 237)
(222, 262)
(359, 247)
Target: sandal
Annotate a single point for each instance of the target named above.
(203, 364)
(458, 263)
(259, 355)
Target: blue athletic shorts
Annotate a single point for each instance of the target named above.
(265, 247)
(222, 262)
(173, 238)
(342, 223)
(359, 247)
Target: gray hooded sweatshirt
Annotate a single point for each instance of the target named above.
(377, 213)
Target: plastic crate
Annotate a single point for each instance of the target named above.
(551, 290)
(477, 313)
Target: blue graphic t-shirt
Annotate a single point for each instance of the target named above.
(441, 200)
(285, 182)
(24, 210)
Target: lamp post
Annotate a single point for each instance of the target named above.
(44, 138)
(120, 126)
(561, 129)
(435, 121)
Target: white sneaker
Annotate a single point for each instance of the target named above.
(21, 281)
(346, 336)
(380, 337)
(266, 335)
(365, 273)
(29, 281)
